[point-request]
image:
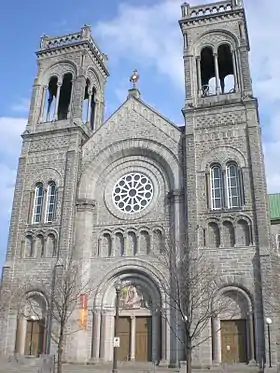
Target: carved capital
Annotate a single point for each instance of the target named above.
(176, 195)
(85, 204)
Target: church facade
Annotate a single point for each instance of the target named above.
(113, 190)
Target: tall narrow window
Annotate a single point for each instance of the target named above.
(92, 109)
(226, 69)
(86, 102)
(51, 94)
(65, 97)
(51, 201)
(233, 186)
(38, 203)
(216, 187)
(207, 72)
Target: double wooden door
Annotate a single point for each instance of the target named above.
(142, 338)
(34, 339)
(234, 341)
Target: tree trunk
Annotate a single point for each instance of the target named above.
(60, 351)
(189, 356)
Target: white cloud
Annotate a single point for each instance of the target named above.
(10, 142)
(150, 36)
(22, 106)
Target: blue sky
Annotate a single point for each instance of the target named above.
(142, 34)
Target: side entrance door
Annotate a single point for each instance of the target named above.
(34, 337)
(123, 352)
(233, 340)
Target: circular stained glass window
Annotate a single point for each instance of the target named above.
(133, 192)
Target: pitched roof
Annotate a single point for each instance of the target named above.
(274, 206)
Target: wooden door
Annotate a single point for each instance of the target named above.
(34, 338)
(234, 341)
(143, 345)
(123, 332)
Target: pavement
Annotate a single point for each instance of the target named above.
(34, 365)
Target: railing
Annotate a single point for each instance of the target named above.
(210, 9)
(71, 39)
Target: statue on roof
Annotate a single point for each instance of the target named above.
(134, 78)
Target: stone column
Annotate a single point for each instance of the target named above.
(217, 348)
(217, 75)
(102, 335)
(89, 107)
(96, 334)
(163, 338)
(235, 74)
(251, 339)
(83, 248)
(198, 67)
(177, 218)
(132, 337)
(42, 110)
(57, 101)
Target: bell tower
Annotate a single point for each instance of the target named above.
(67, 106)
(228, 216)
(69, 87)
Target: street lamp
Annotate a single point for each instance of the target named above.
(269, 322)
(117, 285)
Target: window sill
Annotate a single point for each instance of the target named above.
(227, 210)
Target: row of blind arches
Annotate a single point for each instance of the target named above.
(227, 234)
(39, 246)
(131, 243)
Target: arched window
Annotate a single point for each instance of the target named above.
(214, 237)
(49, 109)
(51, 246)
(29, 246)
(65, 97)
(226, 69)
(51, 202)
(233, 186)
(226, 187)
(216, 187)
(40, 246)
(38, 203)
(89, 105)
(207, 72)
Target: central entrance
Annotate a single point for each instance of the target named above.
(135, 335)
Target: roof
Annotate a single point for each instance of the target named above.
(274, 206)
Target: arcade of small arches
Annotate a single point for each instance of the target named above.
(131, 242)
(217, 70)
(57, 98)
(228, 233)
(143, 324)
(39, 245)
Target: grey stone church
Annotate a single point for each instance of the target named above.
(112, 190)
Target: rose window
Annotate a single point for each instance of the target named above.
(133, 192)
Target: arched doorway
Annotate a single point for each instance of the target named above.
(233, 328)
(31, 326)
(140, 324)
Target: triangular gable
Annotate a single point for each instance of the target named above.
(133, 104)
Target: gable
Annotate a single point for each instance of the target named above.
(133, 120)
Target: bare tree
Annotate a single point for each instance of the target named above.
(68, 292)
(192, 293)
